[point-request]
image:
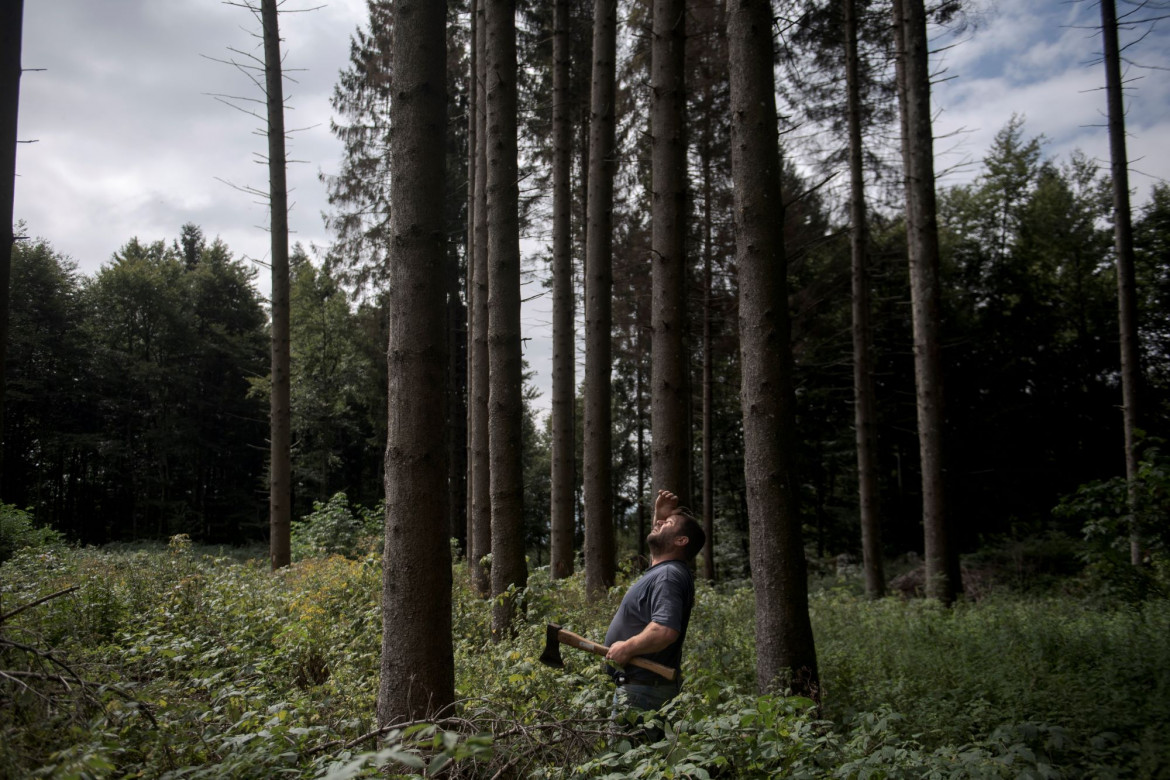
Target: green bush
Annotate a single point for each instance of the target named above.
(194, 664)
(1109, 525)
(335, 528)
(18, 531)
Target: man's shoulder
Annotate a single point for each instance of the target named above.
(674, 570)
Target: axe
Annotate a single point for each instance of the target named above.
(555, 636)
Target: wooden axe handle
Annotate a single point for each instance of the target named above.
(574, 640)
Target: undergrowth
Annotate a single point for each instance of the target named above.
(178, 662)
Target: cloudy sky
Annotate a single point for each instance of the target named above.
(130, 141)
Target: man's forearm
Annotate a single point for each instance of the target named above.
(651, 639)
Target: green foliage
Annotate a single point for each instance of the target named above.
(18, 531)
(1091, 680)
(185, 662)
(126, 413)
(334, 528)
(1109, 523)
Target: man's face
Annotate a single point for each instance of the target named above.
(664, 532)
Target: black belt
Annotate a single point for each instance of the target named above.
(658, 682)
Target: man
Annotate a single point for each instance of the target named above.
(652, 619)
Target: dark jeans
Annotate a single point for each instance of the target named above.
(631, 700)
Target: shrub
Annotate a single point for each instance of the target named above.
(18, 531)
(1108, 526)
(335, 528)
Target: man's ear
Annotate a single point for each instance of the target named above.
(682, 540)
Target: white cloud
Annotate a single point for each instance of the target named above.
(1042, 61)
(131, 144)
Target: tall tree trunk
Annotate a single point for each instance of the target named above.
(670, 431)
(418, 660)
(472, 158)
(11, 29)
(457, 344)
(640, 395)
(563, 369)
(1123, 243)
(458, 289)
(942, 565)
(505, 405)
(599, 532)
(280, 421)
(708, 380)
(863, 390)
(480, 539)
(784, 638)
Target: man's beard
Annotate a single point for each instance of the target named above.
(658, 542)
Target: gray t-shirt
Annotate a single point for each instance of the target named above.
(664, 595)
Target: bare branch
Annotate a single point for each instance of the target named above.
(42, 600)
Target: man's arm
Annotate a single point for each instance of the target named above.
(651, 639)
(665, 505)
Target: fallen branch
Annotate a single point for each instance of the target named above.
(9, 615)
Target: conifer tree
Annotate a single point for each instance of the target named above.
(785, 653)
(418, 668)
(505, 373)
(11, 28)
(600, 565)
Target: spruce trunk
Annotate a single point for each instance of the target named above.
(942, 570)
(785, 652)
(863, 388)
(418, 667)
(563, 369)
(505, 406)
(480, 522)
(599, 534)
(11, 31)
(280, 421)
(670, 451)
(1123, 245)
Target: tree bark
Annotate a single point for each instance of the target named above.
(863, 388)
(1131, 375)
(942, 565)
(705, 154)
(670, 432)
(11, 31)
(785, 652)
(505, 406)
(458, 278)
(480, 539)
(563, 368)
(599, 533)
(280, 421)
(418, 667)
(472, 158)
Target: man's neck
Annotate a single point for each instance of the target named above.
(670, 555)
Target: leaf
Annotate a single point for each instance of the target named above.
(437, 764)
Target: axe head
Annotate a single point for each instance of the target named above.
(552, 647)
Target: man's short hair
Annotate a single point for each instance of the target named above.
(692, 529)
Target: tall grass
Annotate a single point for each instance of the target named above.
(200, 664)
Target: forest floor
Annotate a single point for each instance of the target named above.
(184, 662)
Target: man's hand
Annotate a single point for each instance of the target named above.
(620, 652)
(651, 639)
(665, 505)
